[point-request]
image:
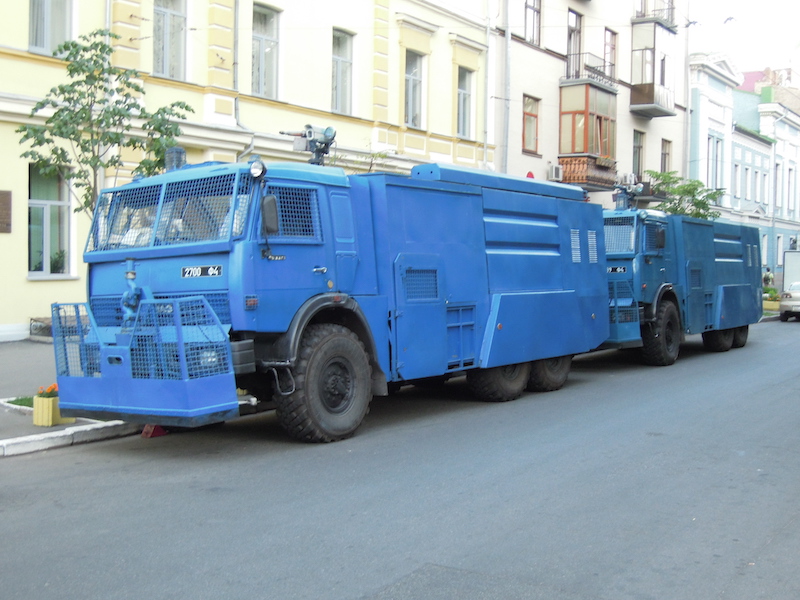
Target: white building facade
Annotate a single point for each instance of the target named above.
(747, 144)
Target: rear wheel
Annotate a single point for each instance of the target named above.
(332, 386)
(719, 340)
(549, 374)
(784, 317)
(661, 340)
(740, 336)
(499, 384)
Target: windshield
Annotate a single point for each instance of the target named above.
(178, 212)
(619, 233)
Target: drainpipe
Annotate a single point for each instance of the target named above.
(239, 123)
(486, 90)
(687, 130)
(507, 87)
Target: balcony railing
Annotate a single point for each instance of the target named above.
(586, 66)
(663, 11)
(592, 173)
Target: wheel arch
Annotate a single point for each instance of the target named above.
(339, 309)
(666, 293)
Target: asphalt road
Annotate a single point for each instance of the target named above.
(632, 482)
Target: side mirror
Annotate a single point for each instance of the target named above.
(661, 237)
(269, 215)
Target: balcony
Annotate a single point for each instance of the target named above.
(592, 173)
(648, 194)
(652, 100)
(588, 68)
(662, 12)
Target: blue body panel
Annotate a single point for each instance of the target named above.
(449, 269)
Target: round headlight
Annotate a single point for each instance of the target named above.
(257, 169)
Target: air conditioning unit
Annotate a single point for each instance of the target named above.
(628, 179)
(555, 173)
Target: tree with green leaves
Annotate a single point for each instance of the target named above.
(92, 118)
(685, 196)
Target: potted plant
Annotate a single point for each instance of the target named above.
(45, 408)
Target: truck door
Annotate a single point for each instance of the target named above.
(344, 239)
(419, 324)
(698, 246)
(297, 262)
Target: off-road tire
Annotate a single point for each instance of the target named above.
(662, 340)
(332, 386)
(719, 340)
(499, 384)
(740, 336)
(549, 374)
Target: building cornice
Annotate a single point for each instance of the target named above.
(710, 64)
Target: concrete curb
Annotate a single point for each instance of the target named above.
(91, 431)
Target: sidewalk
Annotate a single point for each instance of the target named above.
(24, 367)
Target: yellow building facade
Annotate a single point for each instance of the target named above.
(402, 82)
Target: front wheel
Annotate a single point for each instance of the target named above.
(499, 384)
(661, 340)
(549, 374)
(332, 386)
(719, 340)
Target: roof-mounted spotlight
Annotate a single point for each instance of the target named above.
(258, 169)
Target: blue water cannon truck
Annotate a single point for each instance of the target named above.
(674, 275)
(315, 291)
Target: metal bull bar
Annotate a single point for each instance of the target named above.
(171, 366)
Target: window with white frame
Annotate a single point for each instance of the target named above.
(638, 154)
(610, 53)
(666, 156)
(530, 124)
(714, 171)
(756, 185)
(736, 183)
(533, 21)
(265, 52)
(169, 38)
(464, 103)
(48, 24)
(48, 225)
(748, 191)
(764, 248)
(779, 246)
(413, 91)
(791, 200)
(574, 43)
(342, 77)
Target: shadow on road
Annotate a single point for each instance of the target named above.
(416, 405)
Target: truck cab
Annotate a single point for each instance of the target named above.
(640, 269)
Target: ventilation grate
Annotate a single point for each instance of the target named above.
(575, 242)
(422, 284)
